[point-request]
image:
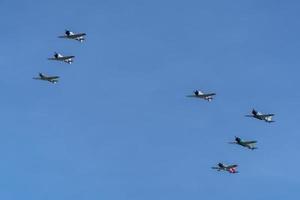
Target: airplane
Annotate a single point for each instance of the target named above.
(199, 94)
(260, 116)
(51, 79)
(59, 57)
(229, 168)
(75, 36)
(247, 144)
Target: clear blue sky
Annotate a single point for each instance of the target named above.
(118, 124)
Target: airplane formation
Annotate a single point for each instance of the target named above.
(232, 168)
(62, 58)
(250, 144)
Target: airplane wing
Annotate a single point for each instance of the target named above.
(216, 168)
(66, 57)
(250, 142)
(267, 115)
(207, 95)
(192, 96)
(62, 58)
(202, 95)
(36, 78)
(52, 77)
(231, 166)
(52, 58)
(72, 36)
(231, 142)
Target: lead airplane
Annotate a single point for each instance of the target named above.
(205, 96)
(75, 36)
(51, 79)
(261, 116)
(60, 57)
(229, 168)
(247, 144)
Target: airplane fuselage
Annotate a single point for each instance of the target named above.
(200, 94)
(75, 36)
(262, 117)
(59, 57)
(222, 167)
(246, 145)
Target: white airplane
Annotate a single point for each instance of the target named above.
(75, 36)
(199, 94)
(60, 57)
(247, 144)
(260, 116)
(51, 79)
(229, 168)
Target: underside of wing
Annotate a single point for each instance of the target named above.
(53, 77)
(206, 95)
(66, 57)
(231, 166)
(250, 142)
(210, 94)
(267, 115)
(192, 96)
(80, 34)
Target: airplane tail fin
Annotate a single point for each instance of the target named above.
(254, 112)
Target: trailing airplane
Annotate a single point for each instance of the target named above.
(247, 144)
(229, 168)
(60, 57)
(75, 36)
(51, 79)
(260, 116)
(205, 96)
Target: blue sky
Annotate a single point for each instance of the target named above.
(118, 124)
